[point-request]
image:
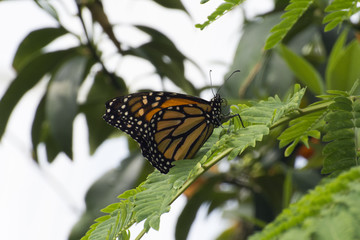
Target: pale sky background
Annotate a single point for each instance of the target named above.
(43, 202)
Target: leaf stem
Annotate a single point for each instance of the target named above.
(141, 234)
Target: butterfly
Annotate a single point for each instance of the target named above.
(167, 126)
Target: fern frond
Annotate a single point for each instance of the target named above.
(225, 7)
(340, 10)
(295, 10)
(343, 126)
(323, 204)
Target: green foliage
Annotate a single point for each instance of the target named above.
(339, 11)
(268, 178)
(339, 110)
(153, 197)
(321, 212)
(295, 10)
(225, 7)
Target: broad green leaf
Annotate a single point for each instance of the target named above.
(51, 145)
(303, 70)
(61, 105)
(26, 79)
(336, 51)
(33, 45)
(344, 69)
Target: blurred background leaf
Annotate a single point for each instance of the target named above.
(250, 190)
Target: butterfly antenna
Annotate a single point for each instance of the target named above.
(212, 90)
(236, 71)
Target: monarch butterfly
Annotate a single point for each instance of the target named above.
(168, 126)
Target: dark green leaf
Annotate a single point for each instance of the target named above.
(175, 4)
(33, 45)
(37, 128)
(26, 79)
(52, 147)
(61, 105)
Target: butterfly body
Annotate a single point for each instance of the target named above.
(168, 126)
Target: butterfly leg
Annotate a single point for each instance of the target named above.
(228, 116)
